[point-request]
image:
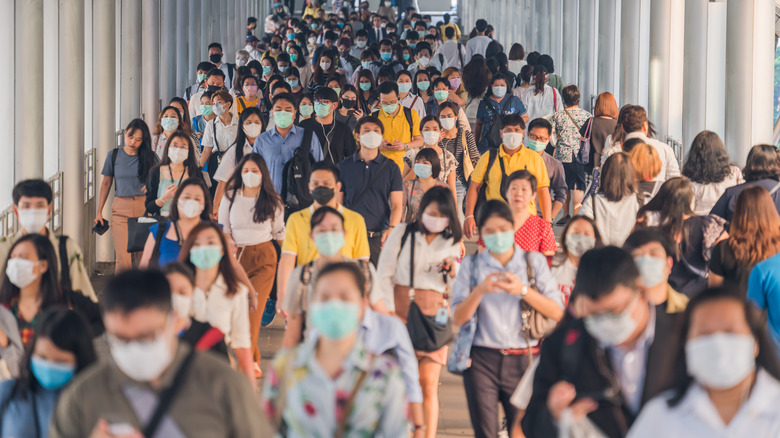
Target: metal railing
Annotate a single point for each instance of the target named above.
(677, 147)
(55, 221)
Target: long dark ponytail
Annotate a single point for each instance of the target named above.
(240, 135)
(146, 157)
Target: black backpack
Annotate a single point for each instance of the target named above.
(494, 134)
(295, 176)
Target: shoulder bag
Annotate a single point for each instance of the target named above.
(459, 359)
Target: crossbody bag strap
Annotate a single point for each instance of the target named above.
(65, 282)
(774, 189)
(342, 426)
(572, 119)
(214, 133)
(167, 397)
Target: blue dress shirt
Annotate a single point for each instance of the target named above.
(277, 150)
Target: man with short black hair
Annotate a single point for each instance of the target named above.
(33, 208)
(377, 33)
(154, 384)
(386, 57)
(617, 353)
(215, 56)
(539, 133)
(215, 81)
(424, 59)
(334, 136)
(401, 125)
(451, 53)
(200, 80)
(478, 44)
(361, 42)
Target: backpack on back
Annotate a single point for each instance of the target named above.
(295, 176)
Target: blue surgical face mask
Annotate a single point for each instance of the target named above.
(365, 86)
(404, 87)
(330, 243)
(306, 110)
(321, 109)
(51, 375)
(293, 83)
(266, 70)
(206, 110)
(500, 242)
(423, 85)
(206, 256)
(293, 57)
(441, 95)
(536, 146)
(386, 56)
(283, 68)
(169, 123)
(390, 109)
(407, 56)
(423, 170)
(499, 92)
(335, 319)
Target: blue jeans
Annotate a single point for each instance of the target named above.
(461, 186)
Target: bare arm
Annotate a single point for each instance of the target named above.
(293, 331)
(147, 254)
(470, 224)
(451, 185)
(286, 266)
(545, 204)
(205, 155)
(105, 189)
(396, 211)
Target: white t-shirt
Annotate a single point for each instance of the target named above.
(228, 164)
(565, 273)
(239, 222)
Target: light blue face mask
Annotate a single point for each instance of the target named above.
(441, 95)
(283, 119)
(306, 110)
(500, 242)
(365, 86)
(651, 270)
(423, 85)
(293, 57)
(293, 83)
(321, 109)
(390, 109)
(500, 92)
(51, 375)
(266, 70)
(283, 68)
(404, 87)
(206, 110)
(330, 243)
(169, 123)
(206, 256)
(536, 146)
(423, 170)
(365, 64)
(335, 319)
(386, 56)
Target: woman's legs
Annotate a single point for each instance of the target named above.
(429, 381)
(121, 210)
(259, 261)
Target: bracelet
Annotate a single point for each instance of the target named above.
(471, 216)
(416, 427)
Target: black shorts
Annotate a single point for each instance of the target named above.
(575, 175)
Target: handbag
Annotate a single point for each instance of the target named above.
(138, 231)
(535, 325)
(425, 333)
(459, 359)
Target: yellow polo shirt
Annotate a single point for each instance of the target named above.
(297, 239)
(524, 159)
(397, 128)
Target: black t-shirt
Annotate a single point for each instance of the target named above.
(336, 139)
(724, 263)
(195, 333)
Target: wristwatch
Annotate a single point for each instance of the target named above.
(524, 291)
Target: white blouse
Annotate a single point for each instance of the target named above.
(706, 195)
(217, 134)
(393, 266)
(696, 416)
(228, 164)
(239, 222)
(230, 315)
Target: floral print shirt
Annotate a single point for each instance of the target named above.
(315, 402)
(567, 132)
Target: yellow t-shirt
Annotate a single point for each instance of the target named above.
(524, 159)
(246, 104)
(397, 128)
(297, 239)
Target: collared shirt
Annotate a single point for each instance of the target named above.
(397, 128)
(238, 220)
(452, 56)
(228, 314)
(298, 241)
(629, 364)
(315, 401)
(696, 416)
(498, 314)
(415, 102)
(228, 164)
(523, 159)
(374, 206)
(220, 136)
(277, 150)
(97, 393)
(670, 168)
(382, 333)
(558, 187)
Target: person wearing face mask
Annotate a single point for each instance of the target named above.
(29, 288)
(278, 144)
(33, 207)
(253, 216)
(168, 122)
(200, 80)
(206, 115)
(251, 48)
(242, 58)
(335, 137)
(215, 56)
(117, 395)
(496, 105)
(200, 336)
(457, 139)
(250, 98)
(407, 98)
(579, 236)
(335, 360)
(731, 385)
(423, 58)
(441, 94)
(432, 135)
(61, 350)
(347, 62)
(417, 266)
(386, 57)
(215, 81)
(349, 112)
(488, 292)
(402, 125)
(424, 176)
(219, 134)
(129, 166)
(293, 79)
(305, 108)
(220, 298)
(610, 319)
(177, 164)
(494, 167)
(539, 132)
(324, 68)
(361, 42)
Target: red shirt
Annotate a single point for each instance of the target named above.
(535, 235)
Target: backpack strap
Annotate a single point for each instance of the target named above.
(114, 154)
(168, 395)
(241, 103)
(774, 189)
(209, 339)
(409, 119)
(64, 265)
(493, 155)
(161, 230)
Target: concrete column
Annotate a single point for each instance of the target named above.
(661, 26)
(182, 44)
(168, 51)
(194, 46)
(587, 52)
(71, 116)
(28, 89)
(556, 31)
(104, 98)
(150, 65)
(629, 52)
(206, 20)
(568, 65)
(130, 71)
(606, 47)
(695, 69)
(543, 36)
(7, 112)
(224, 29)
(749, 75)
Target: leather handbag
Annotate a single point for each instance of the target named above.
(138, 231)
(535, 325)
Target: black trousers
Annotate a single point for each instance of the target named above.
(375, 245)
(492, 379)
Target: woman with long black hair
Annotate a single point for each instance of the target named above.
(129, 166)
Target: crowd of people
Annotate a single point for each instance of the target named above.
(392, 189)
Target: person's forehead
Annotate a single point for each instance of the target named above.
(138, 322)
(649, 248)
(615, 300)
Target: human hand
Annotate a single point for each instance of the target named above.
(103, 430)
(99, 219)
(510, 283)
(169, 193)
(469, 227)
(560, 398)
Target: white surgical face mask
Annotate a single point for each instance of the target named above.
(142, 361)
(251, 179)
(512, 140)
(190, 208)
(178, 155)
(33, 220)
(447, 122)
(612, 329)
(720, 360)
(20, 272)
(578, 244)
(430, 137)
(182, 305)
(252, 130)
(651, 269)
(371, 140)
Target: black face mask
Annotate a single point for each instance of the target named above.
(215, 58)
(213, 88)
(274, 46)
(322, 195)
(348, 103)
